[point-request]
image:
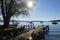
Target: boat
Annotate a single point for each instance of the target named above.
(41, 22)
(54, 23)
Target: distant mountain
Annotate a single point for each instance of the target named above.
(55, 21)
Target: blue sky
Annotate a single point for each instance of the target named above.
(44, 10)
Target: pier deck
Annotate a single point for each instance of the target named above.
(28, 34)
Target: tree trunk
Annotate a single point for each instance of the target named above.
(6, 16)
(6, 22)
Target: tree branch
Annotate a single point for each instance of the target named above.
(2, 8)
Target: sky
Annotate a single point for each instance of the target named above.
(43, 10)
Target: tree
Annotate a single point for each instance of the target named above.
(10, 8)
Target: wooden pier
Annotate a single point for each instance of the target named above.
(27, 35)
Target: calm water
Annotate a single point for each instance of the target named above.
(54, 32)
(54, 27)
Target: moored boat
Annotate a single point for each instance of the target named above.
(54, 23)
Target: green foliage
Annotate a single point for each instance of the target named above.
(12, 27)
(15, 8)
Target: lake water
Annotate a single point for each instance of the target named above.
(54, 31)
(54, 27)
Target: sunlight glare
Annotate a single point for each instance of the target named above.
(30, 3)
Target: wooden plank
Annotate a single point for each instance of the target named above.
(28, 34)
